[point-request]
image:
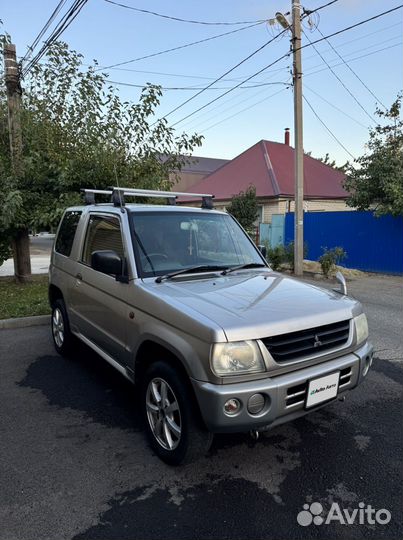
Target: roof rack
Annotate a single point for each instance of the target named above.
(118, 195)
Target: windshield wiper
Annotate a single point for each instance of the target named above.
(199, 268)
(241, 267)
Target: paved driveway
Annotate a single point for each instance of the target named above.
(74, 462)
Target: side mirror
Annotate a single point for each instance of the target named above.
(108, 262)
(343, 285)
(263, 250)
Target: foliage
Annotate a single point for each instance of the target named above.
(289, 254)
(330, 162)
(275, 256)
(77, 132)
(377, 182)
(24, 300)
(244, 207)
(330, 258)
(283, 255)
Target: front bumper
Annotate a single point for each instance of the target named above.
(284, 395)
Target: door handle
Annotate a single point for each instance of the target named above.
(79, 277)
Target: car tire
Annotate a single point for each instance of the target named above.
(63, 339)
(173, 423)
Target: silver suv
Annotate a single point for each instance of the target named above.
(182, 303)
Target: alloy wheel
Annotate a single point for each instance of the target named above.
(58, 327)
(163, 413)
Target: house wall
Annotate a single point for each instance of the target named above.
(283, 206)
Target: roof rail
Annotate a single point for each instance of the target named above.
(118, 195)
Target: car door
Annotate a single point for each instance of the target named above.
(98, 300)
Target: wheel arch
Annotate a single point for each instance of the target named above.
(54, 293)
(151, 351)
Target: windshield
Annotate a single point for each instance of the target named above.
(167, 242)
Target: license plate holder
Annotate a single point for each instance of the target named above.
(322, 389)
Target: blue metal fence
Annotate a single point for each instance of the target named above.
(374, 244)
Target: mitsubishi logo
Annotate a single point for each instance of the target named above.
(317, 342)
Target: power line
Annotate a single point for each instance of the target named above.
(309, 11)
(52, 17)
(352, 71)
(243, 110)
(113, 66)
(65, 22)
(225, 74)
(286, 55)
(258, 85)
(335, 107)
(237, 79)
(321, 97)
(231, 89)
(338, 78)
(191, 21)
(355, 58)
(221, 107)
(327, 128)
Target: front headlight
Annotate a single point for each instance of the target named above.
(236, 358)
(361, 327)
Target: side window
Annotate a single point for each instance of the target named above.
(67, 231)
(103, 232)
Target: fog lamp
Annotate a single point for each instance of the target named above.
(232, 406)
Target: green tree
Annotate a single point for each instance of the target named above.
(327, 160)
(376, 181)
(244, 208)
(78, 132)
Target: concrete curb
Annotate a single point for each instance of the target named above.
(23, 322)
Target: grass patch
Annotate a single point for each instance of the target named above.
(24, 300)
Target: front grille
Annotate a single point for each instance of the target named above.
(296, 395)
(295, 345)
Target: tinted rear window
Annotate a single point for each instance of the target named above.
(67, 231)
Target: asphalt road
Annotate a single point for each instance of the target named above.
(74, 463)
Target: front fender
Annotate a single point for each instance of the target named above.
(191, 351)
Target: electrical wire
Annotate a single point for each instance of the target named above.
(305, 85)
(335, 107)
(65, 22)
(309, 11)
(33, 45)
(352, 71)
(224, 75)
(354, 59)
(121, 83)
(328, 129)
(114, 66)
(191, 21)
(243, 110)
(364, 21)
(338, 78)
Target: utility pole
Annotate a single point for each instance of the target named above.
(299, 151)
(21, 254)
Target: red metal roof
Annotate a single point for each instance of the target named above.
(269, 166)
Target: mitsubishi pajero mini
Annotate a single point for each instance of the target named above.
(182, 303)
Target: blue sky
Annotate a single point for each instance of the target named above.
(112, 34)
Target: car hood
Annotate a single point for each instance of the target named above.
(253, 305)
